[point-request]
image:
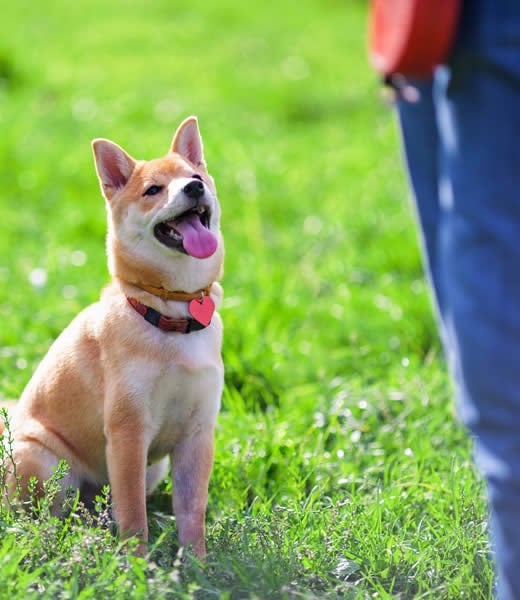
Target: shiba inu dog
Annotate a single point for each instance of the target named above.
(135, 381)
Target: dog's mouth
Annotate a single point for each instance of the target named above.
(189, 232)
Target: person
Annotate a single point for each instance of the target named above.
(461, 141)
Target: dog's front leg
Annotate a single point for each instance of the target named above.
(192, 461)
(126, 460)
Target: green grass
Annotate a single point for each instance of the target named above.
(340, 470)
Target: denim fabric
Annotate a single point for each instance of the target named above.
(462, 148)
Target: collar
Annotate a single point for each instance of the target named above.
(168, 324)
(165, 294)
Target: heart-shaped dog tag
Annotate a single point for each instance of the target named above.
(202, 310)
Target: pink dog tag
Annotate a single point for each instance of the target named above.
(202, 310)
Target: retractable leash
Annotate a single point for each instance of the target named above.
(408, 39)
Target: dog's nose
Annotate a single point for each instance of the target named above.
(194, 189)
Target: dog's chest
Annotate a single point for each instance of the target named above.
(184, 399)
(173, 381)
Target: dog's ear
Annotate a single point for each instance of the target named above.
(188, 143)
(113, 165)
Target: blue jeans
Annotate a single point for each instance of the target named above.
(462, 148)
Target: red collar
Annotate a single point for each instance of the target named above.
(168, 324)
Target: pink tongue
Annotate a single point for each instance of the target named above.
(198, 241)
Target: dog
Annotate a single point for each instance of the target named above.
(135, 381)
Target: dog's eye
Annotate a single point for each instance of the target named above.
(196, 177)
(153, 189)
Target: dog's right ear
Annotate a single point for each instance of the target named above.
(113, 165)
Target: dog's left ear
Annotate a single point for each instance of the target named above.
(113, 165)
(188, 143)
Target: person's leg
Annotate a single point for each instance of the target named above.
(478, 106)
(463, 155)
(479, 266)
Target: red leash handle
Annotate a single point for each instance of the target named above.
(411, 37)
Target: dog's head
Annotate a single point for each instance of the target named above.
(163, 214)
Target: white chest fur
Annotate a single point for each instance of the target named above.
(178, 393)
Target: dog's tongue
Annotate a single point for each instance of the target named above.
(198, 241)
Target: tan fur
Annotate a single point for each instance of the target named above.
(116, 396)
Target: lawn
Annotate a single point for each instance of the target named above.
(341, 471)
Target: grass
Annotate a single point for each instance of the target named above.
(340, 470)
